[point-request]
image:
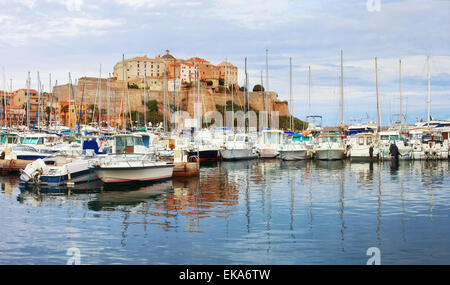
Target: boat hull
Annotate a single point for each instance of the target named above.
(237, 154)
(151, 173)
(205, 155)
(268, 153)
(330, 154)
(82, 176)
(293, 154)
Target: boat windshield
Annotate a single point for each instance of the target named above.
(139, 141)
(124, 144)
(272, 138)
(239, 138)
(329, 139)
(390, 138)
(31, 140)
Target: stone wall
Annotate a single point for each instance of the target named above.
(209, 98)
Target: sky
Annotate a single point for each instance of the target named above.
(80, 36)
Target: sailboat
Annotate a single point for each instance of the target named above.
(239, 146)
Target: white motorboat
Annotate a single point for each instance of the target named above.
(393, 137)
(128, 162)
(270, 143)
(62, 169)
(59, 170)
(294, 148)
(363, 147)
(238, 147)
(330, 147)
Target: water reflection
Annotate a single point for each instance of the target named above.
(264, 210)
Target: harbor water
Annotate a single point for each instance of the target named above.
(247, 212)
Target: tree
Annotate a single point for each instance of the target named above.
(258, 88)
(242, 89)
(133, 86)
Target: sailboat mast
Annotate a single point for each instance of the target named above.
(100, 99)
(145, 97)
(309, 91)
(246, 92)
(400, 86)
(28, 99)
(429, 92)
(267, 89)
(290, 91)
(342, 87)
(124, 112)
(378, 100)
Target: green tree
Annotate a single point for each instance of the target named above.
(133, 86)
(258, 88)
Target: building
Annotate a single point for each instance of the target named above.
(208, 71)
(229, 73)
(168, 67)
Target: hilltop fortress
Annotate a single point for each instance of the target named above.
(161, 79)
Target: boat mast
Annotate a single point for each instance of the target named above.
(4, 96)
(100, 99)
(145, 96)
(165, 96)
(39, 102)
(342, 88)
(124, 112)
(174, 84)
(267, 83)
(28, 99)
(429, 92)
(400, 86)
(309, 92)
(290, 91)
(246, 92)
(378, 100)
(51, 100)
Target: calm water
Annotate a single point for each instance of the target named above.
(256, 212)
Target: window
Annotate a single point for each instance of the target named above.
(369, 140)
(361, 140)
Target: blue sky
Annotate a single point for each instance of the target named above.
(62, 36)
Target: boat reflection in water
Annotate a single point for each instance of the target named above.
(130, 197)
(244, 212)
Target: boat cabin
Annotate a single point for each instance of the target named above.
(8, 139)
(329, 137)
(272, 137)
(366, 139)
(130, 143)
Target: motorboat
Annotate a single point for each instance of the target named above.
(330, 146)
(363, 147)
(63, 169)
(270, 143)
(129, 162)
(388, 138)
(238, 147)
(294, 148)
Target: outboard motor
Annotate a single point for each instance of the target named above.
(32, 171)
